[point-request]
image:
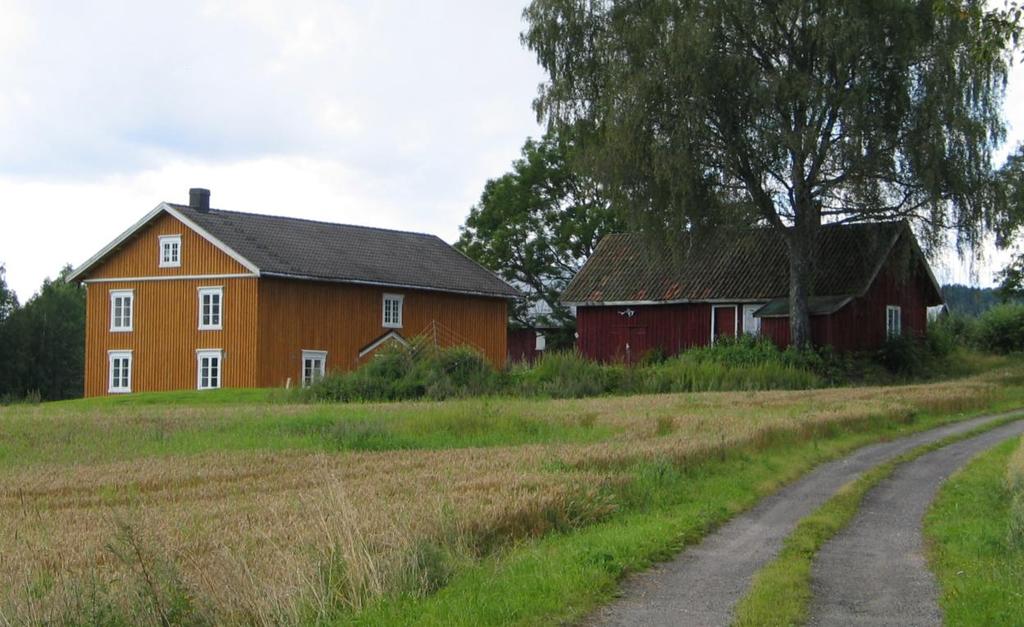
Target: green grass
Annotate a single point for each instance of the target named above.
(781, 591)
(980, 571)
(564, 576)
(186, 423)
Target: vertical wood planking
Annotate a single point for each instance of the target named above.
(342, 319)
(672, 328)
(140, 256)
(166, 334)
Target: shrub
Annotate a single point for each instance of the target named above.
(744, 350)
(951, 331)
(568, 375)
(902, 354)
(1001, 329)
(419, 370)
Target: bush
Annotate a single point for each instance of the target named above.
(567, 375)
(1001, 329)
(419, 370)
(903, 354)
(951, 331)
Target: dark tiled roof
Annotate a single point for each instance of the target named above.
(748, 265)
(307, 249)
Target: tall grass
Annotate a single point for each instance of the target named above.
(264, 535)
(423, 371)
(1015, 487)
(977, 563)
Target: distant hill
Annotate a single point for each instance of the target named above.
(972, 301)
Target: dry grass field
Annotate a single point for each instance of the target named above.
(276, 513)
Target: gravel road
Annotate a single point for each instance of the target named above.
(702, 585)
(874, 572)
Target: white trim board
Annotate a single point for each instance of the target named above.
(735, 319)
(162, 207)
(179, 277)
(392, 335)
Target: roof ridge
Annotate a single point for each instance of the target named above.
(311, 221)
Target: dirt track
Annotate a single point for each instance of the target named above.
(874, 572)
(703, 584)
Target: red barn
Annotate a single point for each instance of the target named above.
(871, 281)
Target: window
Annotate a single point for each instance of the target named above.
(170, 251)
(314, 365)
(208, 367)
(393, 311)
(892, 321)
(121, 314)
(210, 306)
(120, 372)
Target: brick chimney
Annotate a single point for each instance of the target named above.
(199, 199)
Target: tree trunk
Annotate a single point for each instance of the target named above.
(801, 242)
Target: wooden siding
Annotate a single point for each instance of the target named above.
(166, 334)
(140, 256)
(343, 319)
(604, 332)
(860, 325)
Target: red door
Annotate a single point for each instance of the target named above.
(723, 322)
(630, 343)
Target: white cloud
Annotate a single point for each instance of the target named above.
(383, 112)
(379, 112)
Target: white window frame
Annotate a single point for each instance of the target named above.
(890, 329)
(165, 241)
(126, 378)
(212, 290)
(316, 374)
(400, 298)
(735, 319)
(209, 353)
(114, 296)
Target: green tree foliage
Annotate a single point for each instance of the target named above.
(1009, 197)
(536, 225)
(794, 113)
(8, 299)
(971, 301)
(42, 344)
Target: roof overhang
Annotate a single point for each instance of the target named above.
(390, 336)
(816, 305)
(397, 286)
(135, 228)
(681, 301)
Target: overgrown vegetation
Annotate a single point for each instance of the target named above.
(974, 550)
(423, 371)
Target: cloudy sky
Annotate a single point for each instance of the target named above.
(389, 113)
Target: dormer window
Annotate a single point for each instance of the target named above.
(170, 251)
(393, 311)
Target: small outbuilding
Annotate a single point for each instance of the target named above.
(871, 282)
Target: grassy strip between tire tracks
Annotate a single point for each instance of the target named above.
(781, 591)
(562, 577)
(976, 557)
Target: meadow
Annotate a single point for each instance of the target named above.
(246, 507)
(975, 534)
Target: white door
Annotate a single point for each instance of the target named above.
(751, 325)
